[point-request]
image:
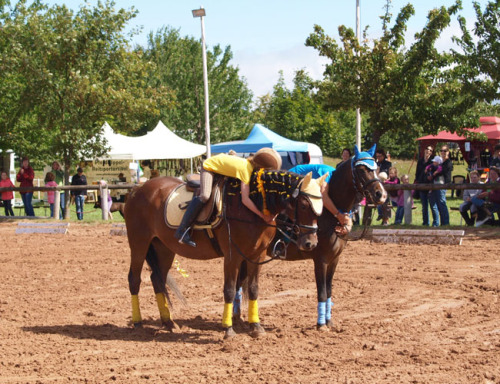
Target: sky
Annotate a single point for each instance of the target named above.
(268, 36)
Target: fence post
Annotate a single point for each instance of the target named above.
(408, 206)
(103, 186)
(57, 204)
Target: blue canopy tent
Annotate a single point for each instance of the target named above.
(292, 152)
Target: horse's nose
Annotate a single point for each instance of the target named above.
(310, 245)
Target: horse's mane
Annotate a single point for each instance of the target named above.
(277, 186)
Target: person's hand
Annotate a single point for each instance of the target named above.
(268, 218)
(343, 218)
(21, 171)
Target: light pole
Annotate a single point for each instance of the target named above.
(201, 14)
(358, 113)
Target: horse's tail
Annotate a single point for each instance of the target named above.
(152, 260)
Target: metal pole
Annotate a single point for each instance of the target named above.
(358, 113)
(205, 84)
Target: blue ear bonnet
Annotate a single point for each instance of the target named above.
(365, 158)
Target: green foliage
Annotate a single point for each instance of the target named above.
(295, 114)
(405, 92)
(477, 61)
(178, 66)
(65, 74)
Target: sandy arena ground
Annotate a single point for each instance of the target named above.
(403, 314)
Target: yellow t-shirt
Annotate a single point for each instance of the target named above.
(231, 166)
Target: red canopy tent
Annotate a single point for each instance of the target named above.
(490, 126)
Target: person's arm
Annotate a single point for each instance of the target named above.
(245, 198)
(343, 218)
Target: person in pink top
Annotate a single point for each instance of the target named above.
(400, 211)
(50, 182)
(8, 195)
(393, 179)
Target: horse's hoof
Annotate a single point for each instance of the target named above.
(229, 333)
(322, 327)
(329, 324)
(170, 326)
(256, 330)
(138, 325)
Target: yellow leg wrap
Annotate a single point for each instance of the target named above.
(136, 312)
(253, 312)
(163, 307)
(227, 317)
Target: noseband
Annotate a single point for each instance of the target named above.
(361, 186)
(297, 229)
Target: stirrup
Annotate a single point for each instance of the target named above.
(279, 250)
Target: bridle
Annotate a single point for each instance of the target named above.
(361, 184)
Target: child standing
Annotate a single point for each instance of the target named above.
(393, 195)
(7, 196)
(50, 182)
(400, 212)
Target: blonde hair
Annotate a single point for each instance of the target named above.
(405, 176)
(393, 169)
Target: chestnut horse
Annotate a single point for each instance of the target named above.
(241, 236)
(354, 178)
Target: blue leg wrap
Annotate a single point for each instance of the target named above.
(237, 301)
(329, 306)
(321, 313)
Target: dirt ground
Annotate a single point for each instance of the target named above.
(402, 313)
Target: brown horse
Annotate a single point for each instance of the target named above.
(241, 236)
(352, 178)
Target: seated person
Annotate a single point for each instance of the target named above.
(493, 197)
(495, 158)
(467, 205)
(318, 170)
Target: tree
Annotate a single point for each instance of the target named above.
(179, 67)
(478, 62)
(295, 114)
(65, 74)
(403, 91)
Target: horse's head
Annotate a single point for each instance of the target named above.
(303, 209)
(365, 178)
(298, 197)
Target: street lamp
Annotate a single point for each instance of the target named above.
(201, 14)
(358, 113)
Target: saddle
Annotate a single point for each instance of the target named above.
(210, 215)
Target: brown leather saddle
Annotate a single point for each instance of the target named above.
(210, 215)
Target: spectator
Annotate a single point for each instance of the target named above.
(318, 170)
(420, 178)
(400, 211)
(467, 205)
(25, 176)
(383, 164)
(346, 155)
(50, 182)
(434, 175)
(59, 179)
(493, 197)
(7, 196)
(79, 195)
(434, 171)
(440, 194)
(495, 159)
(393, 195)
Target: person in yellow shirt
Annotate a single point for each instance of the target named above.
(231, 166)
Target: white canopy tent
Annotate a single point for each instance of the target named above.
(160, 143)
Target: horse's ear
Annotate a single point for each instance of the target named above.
(321, 180)
(371, 151)
(356, 151)
(307, 180)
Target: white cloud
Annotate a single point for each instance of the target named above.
(261, 70)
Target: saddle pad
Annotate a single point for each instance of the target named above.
(179, 198)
